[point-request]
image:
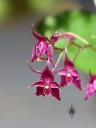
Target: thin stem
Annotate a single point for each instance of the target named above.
(92, 47)
(78, 37)
(77, 45)
(57, 62)
(32, 68)
(55, 48)
(61, 49)
(77, 54)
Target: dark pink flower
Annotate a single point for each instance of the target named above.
(47, 85)
(54, 38)
(91, 87)
(44, 46)
(69, 74)
(40, 47)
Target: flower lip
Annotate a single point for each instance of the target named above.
(47, 90)
(69, 78)
(46, 87)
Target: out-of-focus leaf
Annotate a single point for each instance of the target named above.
(83, 24)
(40, 5)
(4, 10)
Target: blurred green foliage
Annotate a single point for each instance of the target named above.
(40, 5)
(82, 23)
(4, 10)
(13, 8)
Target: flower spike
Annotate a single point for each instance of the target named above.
(44, 49)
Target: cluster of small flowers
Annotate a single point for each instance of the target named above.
(46, 86)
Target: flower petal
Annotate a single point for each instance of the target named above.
(54, 85)
(63, 81)
(49, 53)
(68, 63)
(54, 38)
(93, 79)
(93, 76)
(34, 56)
(39, 91)
(38, 84)
(39, 49)
(55, 93)
(38, 36)
(42, 47)
(61, 71)
(90, 91)
(47, 75)
(75, 72)
(77, 82)
(88, 96)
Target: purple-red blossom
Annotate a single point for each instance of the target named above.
(69, 74)
(91, 87)
(54, 37)
(44, 46)
(46, 85)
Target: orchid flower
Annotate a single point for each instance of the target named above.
(91, 87)
(69, 74)
(44, 46)
(46, 86)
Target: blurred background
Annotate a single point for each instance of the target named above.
(12, 10)
(19, 107)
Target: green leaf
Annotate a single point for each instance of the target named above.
(83, 24)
